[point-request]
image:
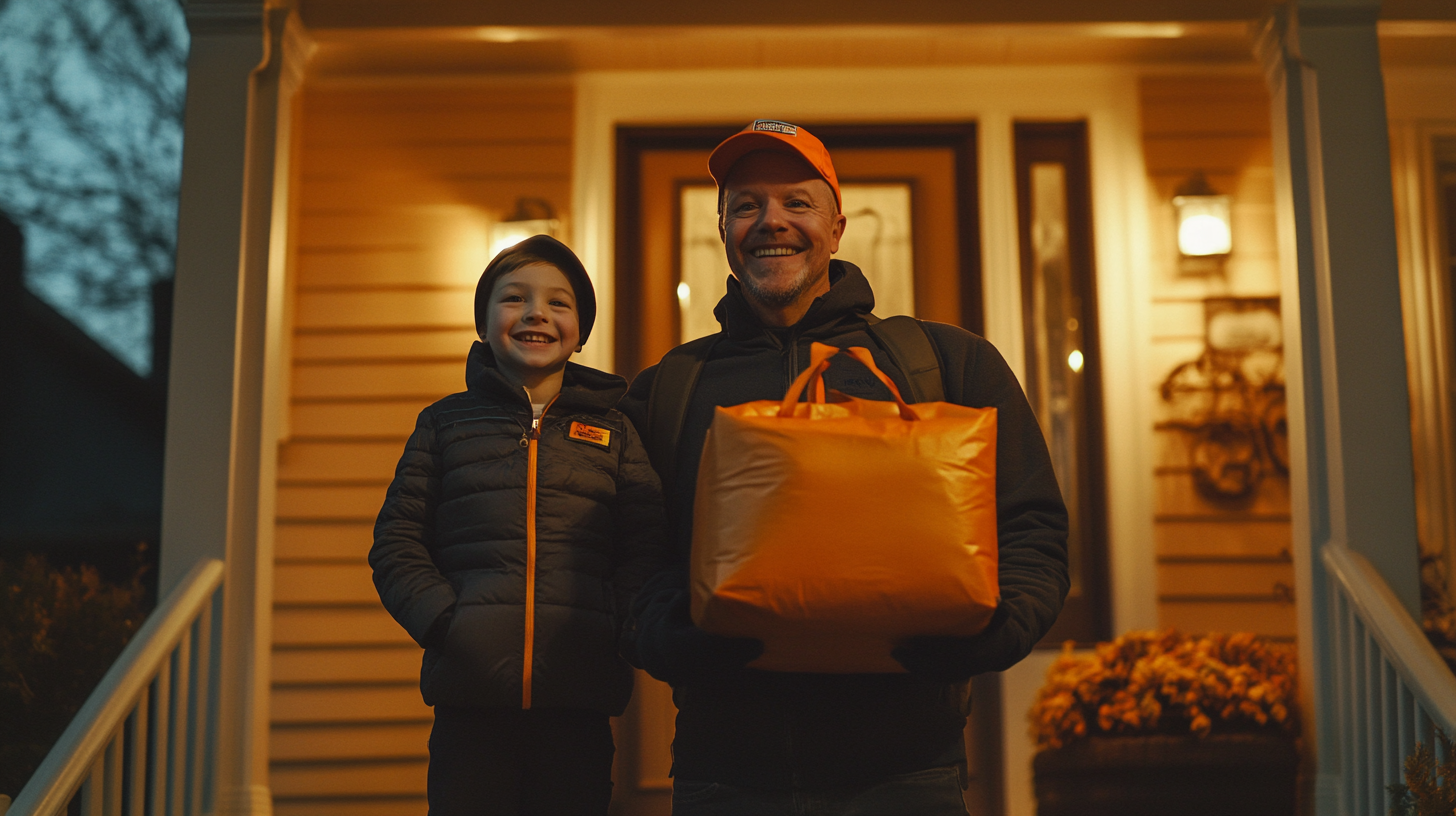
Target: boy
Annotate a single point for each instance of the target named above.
(522, 518)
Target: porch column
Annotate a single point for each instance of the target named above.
(217, 495)
(1349, 420)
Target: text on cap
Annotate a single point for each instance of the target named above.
(775, 126)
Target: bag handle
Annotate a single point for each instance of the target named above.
(819, 356)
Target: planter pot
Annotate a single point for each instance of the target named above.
(1169, 775)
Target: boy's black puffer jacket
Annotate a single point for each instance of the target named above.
(450, 544)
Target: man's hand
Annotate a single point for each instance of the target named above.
(671, 648)
(951, 659)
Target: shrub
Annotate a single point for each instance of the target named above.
(62, 629)
(1167, 683)
(1430, 785)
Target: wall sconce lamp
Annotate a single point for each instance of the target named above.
(1205, 232)
(533, 216)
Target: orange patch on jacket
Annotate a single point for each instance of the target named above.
(588, 433)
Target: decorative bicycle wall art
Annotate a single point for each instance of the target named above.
(1229, 402)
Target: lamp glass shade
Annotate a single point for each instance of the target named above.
(506, 234)
(1204, 227)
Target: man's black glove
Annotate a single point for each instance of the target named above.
(949, 659)
(671, 648)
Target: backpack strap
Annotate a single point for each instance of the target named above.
(913, 352)
(667, 403)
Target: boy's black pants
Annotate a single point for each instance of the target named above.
(537, 762)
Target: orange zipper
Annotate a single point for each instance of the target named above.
(532, 439)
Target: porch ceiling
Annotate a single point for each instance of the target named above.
(512, 49)
(361, 51)
(473, 13)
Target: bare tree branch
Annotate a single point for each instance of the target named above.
(91, 95)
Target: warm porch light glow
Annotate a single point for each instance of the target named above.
(533, 216)
(1204, 234)
(1204, 228)
(1075, 360)
(684, 293)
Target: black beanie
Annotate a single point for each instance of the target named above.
(539, 249)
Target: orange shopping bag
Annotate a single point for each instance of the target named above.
(832, 530)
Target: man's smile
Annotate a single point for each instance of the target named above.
(768, 252)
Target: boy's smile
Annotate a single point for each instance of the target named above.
(532, 325)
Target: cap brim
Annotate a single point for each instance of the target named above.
(735, 147)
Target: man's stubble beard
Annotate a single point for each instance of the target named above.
(778, 298)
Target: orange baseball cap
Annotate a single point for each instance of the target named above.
(780, 137)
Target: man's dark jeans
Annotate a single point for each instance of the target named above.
(541, 762)
(931, 792)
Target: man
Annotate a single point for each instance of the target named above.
(764, 743)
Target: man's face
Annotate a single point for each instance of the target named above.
(780, 227)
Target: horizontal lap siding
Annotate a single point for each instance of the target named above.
(397, 189)
(1222, 566)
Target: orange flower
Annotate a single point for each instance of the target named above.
(1146, 682)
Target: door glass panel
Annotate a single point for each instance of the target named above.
(877, 240)
(1056, 333)
(703, 265)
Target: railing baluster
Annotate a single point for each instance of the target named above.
(1373, 774)
(1405, 722)
(111, 776)
(1347, 723)
(136, 803)
(181, 698)
(92, 791)
(1338, 664)
(1357, 717)
(1374, 756)
(1389, 716)
(1363, 769)
(1375, 771)
(1380, 738)
(161, 730)
(1393, 725)
(199, 710)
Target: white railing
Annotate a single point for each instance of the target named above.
(144, 743)
(1392, 689)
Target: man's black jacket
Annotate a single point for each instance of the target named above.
(771, 729)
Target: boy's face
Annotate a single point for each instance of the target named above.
(531, 322)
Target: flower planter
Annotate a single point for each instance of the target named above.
(1250, 774)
